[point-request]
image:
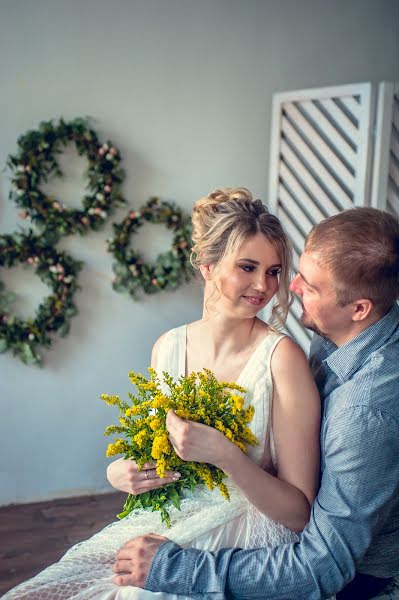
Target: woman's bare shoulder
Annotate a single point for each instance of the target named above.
(288, 356)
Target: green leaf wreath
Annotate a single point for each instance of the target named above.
(36, 161)
(56, 269)
(169, 269)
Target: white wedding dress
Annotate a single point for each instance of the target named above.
(206, 519)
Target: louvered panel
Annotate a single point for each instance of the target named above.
(306, 179)
(393, 201)
(393, 181)
(395, 116)
(323, 151)
(394, 171)
(315, 166)
(341, 120)
(292, 231)
(292, 208)
(299, 193)
(352, 106)
(385, 188)
(329, 132)
(320, 147)
(395, 144)
(295, 258)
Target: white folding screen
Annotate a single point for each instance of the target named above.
(385, 188)
(319, 164)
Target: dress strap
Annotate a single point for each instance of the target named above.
(172, 352)
(277, 339)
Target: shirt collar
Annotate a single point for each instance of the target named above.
(346, 359)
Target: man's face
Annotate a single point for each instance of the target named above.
(321, 313)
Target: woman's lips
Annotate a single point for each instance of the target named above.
(254, 300)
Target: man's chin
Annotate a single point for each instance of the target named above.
(309, 324)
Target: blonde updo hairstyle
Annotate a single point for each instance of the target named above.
(223, 220)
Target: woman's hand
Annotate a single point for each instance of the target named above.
(124, 475)
(198, 442)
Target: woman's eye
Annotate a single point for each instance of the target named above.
(274, 272)
(247, 268)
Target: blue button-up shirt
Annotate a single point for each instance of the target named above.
(354, 524)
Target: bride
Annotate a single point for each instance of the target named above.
(244, 258)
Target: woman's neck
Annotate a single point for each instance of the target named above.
(225, 333)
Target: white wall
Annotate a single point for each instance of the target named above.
(184, 89)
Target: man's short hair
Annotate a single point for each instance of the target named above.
(360, 248)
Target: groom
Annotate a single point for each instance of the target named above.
(348, 281)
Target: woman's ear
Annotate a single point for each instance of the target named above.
(206, 271)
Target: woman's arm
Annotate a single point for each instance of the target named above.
(287, 497)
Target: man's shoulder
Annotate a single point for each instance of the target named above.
(373, 388)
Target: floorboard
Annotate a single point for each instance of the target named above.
(33, 536)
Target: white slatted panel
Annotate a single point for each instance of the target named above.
(319, 162)
(385, 188)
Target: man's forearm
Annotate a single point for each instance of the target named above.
(190, 571)
(230, 572)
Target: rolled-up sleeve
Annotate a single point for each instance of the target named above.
(354, 501)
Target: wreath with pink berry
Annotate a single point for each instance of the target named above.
(59, 272)
(35, 162)
(170, 268)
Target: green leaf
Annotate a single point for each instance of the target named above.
(173, 496)
(7, 298)
(29, 357)
(3, 345)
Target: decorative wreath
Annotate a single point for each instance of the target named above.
(58, 270)
(169, 269)
(36, 161)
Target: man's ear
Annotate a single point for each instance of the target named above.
(206, 271)
(362, 309)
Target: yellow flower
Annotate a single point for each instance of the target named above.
(153, 373)
(206, 475)
(224, 490)
(154, 423)
(241, 446)
(248, 437)
(238, 401)
(140, 438)
(160, 401)
(228, 434)
(248, 414)
(111, 399)
(123, 422)
(131, 412)
(161, 466)
(183, 413)
(219, 425)
(117, 448)
(160, 445)
(110, 429)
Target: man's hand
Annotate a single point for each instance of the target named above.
(134, 559)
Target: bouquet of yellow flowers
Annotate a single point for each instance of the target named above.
(198, 397)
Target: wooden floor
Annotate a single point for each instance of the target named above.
(33, 536)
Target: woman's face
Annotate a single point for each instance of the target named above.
(247, 280)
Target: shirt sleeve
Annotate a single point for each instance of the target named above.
(359, 485)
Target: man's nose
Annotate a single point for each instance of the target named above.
(295, 285)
